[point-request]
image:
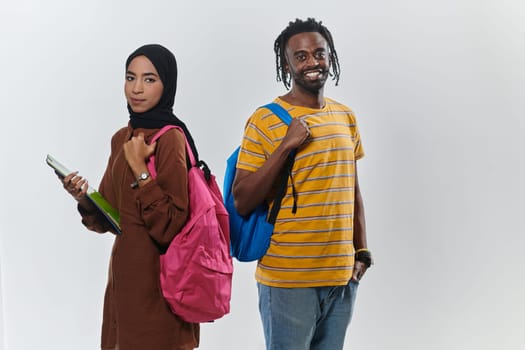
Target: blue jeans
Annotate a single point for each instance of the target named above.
(306, 318)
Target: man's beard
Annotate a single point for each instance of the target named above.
(313, 86)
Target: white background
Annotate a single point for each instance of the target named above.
(438, 90)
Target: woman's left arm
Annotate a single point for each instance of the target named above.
(163, 202)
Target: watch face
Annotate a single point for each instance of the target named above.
(144, 176)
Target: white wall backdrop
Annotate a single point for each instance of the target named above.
(438, 90)
(2, 339)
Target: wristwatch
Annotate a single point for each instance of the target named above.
(142, 177)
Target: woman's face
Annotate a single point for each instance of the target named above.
(143, 87)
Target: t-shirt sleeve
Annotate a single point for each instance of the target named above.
(359, 151)
(255, 144)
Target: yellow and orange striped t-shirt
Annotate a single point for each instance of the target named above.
(314, 246)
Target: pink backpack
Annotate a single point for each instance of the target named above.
(196, 270)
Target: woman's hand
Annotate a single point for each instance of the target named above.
(137, 151)
(75, 185)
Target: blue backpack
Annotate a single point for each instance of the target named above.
(250, 235)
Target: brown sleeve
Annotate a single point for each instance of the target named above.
(95, 221)
(163, 202)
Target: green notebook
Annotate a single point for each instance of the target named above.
(110, 213)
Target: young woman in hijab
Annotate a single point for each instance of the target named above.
(151, 211)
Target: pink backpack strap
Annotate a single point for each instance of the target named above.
(151, 161)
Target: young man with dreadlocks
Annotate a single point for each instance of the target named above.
(307, 281)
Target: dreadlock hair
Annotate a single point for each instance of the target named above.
(300, 26)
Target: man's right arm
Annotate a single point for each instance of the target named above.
(251, 188)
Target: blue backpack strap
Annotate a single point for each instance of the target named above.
(279, 111)
(283, 114)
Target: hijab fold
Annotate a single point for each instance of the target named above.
(162, 114)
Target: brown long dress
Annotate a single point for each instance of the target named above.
(136, 316)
